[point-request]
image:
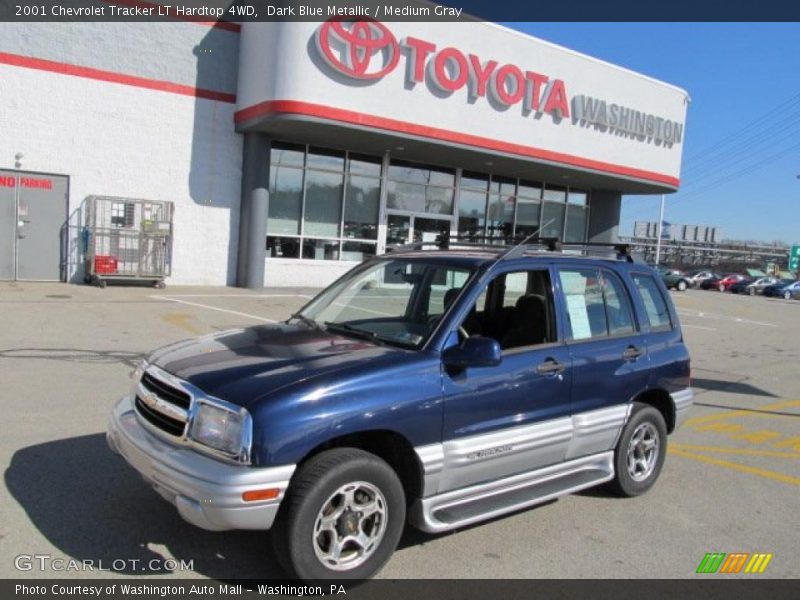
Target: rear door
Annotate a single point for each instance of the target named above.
(668, 356)
(609, 358)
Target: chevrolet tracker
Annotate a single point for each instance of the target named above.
(440, 387)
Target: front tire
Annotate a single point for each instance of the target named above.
(787, 295)
(640, 452)
(342, 517)
(682, 286)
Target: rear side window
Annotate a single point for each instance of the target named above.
(655, 305)
(597, 304)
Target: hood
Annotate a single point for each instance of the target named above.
(243, 365)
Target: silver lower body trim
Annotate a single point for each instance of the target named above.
(206, 492)
(682, 401)
(476, 503)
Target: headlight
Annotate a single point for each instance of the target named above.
(221, 429)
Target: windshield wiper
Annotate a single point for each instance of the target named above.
(362, 333)
(306, 321)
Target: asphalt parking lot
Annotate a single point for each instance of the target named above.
(731, 482)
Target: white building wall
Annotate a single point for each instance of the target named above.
(121, 140)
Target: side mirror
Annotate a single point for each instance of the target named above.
(476, 351)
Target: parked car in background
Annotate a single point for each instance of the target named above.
(757, 286)
(674, 279)
(740, 287)
(785, 288)
(726, 282)
(696, 278)
(712, 283)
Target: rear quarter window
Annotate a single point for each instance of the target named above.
(655, 305)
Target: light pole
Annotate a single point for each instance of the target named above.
(660, 230)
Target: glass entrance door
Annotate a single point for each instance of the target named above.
(405, 228)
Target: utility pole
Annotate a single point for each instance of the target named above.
(660, 230)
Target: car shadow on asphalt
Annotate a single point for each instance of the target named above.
(731, 387)
(92, 507)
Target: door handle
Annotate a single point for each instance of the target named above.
(631, 353)
(550, 367)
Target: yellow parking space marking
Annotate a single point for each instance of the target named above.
(793, 442)
(181, 321)
(783, 478)
(746, 413)
(740, 451)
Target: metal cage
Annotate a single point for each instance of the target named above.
(127, 239)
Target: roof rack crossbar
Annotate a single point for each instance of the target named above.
(507, 249)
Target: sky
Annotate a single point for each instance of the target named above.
(741, 155)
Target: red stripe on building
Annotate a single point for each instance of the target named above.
(274, 107)
(40, 64)
(225, 25)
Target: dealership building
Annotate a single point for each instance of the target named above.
(290, 151)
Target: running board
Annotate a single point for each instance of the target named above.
(469, 505)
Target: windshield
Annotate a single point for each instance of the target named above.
(398, 302)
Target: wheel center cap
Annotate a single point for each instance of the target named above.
(348, 524)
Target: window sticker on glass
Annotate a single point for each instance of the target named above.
(578, 317)
(574, 287)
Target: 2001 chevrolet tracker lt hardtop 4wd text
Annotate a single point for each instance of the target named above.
(446, 387)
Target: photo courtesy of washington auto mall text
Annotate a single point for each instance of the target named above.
(175, 590)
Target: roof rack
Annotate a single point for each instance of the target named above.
(509, 247)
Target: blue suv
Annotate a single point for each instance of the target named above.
(441, 387)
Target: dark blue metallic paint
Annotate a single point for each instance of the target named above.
(304, 386)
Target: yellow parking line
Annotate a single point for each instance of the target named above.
(745, 413)
(742, 451)
(181, 320)
(737, 467)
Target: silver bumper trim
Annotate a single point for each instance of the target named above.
(206, 492)
(683, 401)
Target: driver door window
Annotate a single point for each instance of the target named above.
(516, 309)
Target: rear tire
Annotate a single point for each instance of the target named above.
(721, 287)
(682, 286)
(342, 517)
(752, 291)
(787, 295)
(640, 452)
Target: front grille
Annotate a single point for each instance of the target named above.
(163, 405)
(166, 391)
(161, 421)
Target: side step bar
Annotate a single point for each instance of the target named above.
(458, 508)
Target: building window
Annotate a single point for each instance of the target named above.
(473, 193)
(502, 208)
(362, 198)
(500, 217)
(486, 206)
(529, 206)
(285, 199)
(323, 204)
(420, 188)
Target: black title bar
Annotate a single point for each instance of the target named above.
(237, 11)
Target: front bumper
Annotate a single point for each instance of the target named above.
(206, 492)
